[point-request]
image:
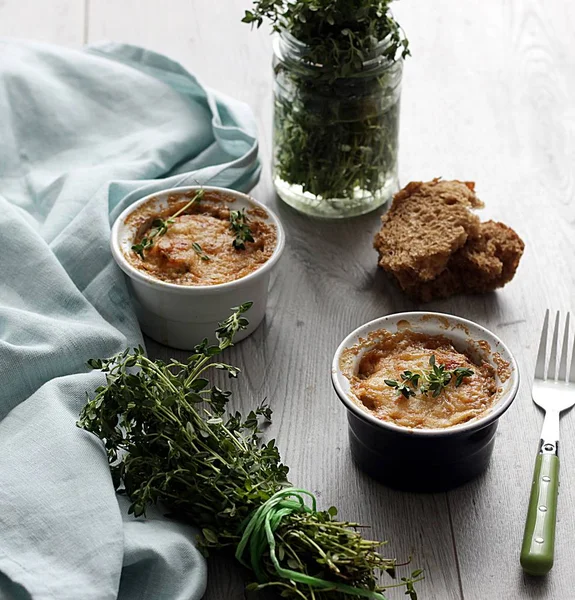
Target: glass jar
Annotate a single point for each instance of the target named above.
(335, 138)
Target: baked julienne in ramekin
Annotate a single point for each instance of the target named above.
(193, 253)
(199, 238)
(421, 381)
(401, 449)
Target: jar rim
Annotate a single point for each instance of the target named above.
(297, 51)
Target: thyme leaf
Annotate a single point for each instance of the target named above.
(402, 388)
(460, 373)
(198, 250)
(436, 379)
(410, 377)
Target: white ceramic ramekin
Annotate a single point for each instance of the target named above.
(181, 316)
(425, 459)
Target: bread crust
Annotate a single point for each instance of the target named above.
(482, 265)
(455, 253)
(426, 224)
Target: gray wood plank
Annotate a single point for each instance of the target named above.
(499, 111)
(57, 21)
(488, 96)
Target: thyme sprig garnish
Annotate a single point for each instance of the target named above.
(402, 388)
(198, 250)
(460, 373)
(410, 381)
(160, 227)
(410, 377)
(435, 380)
(169, 439)
(239, 226)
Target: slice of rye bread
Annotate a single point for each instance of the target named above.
(426, 224)
(483, 264)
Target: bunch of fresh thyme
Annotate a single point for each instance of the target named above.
(169, 439)
(435, 380)
(335, 120)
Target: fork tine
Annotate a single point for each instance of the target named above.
(540, 367)
(564, 350)
(552, 370)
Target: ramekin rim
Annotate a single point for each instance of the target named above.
(141, 277)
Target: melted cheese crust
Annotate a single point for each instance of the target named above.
(172, 258)
(410, 351)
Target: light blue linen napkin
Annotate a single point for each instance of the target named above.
(82, 135)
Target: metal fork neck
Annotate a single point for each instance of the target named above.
(550, 433)
(548, 447)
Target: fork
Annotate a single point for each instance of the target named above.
(554, 392)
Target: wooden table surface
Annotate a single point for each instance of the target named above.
(489, 96)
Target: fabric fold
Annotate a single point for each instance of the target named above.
(82, 135)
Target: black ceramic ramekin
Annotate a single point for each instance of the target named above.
(425, 460)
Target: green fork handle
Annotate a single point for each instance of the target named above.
(539, 537)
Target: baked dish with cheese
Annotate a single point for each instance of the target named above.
(199, 239)
(419, 381)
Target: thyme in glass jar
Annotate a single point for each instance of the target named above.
(325, 154)
(169, 439)
(335, 123)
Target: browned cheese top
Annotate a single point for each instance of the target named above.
(173, 259)
(394, 353)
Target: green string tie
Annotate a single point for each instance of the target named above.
(259, 533)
